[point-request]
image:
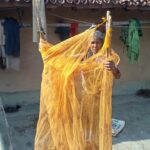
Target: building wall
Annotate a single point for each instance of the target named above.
(134, 76)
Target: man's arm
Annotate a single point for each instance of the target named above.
(116, 72)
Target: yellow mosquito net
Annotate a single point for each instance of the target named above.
(75, 105)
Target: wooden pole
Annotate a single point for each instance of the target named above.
(105, 125)
(108, 27)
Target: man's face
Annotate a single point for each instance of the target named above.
(95, 45)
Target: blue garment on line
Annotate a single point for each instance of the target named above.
(12, 37)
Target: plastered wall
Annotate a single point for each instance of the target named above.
(134, 76)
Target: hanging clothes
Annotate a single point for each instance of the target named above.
(9, 44)
(73, 29)
(130, 36)
(39, 18)
(2, 49)
(2, 36)
(3, 58)
(13, 63)
(12, 37)
(63, 32)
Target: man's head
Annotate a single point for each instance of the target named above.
(96, 41)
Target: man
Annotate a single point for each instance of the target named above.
(97, 41)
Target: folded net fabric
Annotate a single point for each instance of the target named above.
(75, 105)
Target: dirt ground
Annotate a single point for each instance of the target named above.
(131, 108)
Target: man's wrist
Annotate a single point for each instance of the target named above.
(115, 70)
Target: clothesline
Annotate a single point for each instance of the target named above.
(115, 24)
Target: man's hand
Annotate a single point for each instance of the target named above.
(110, 65)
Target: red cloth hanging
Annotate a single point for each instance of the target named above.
(73, 29)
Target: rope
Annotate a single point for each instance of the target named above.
(66, 18)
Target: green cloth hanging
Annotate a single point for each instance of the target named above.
(130, 36)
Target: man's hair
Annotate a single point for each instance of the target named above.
(98, 35)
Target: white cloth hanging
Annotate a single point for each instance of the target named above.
(13, 63)
(2, 36)
(39, 18)
(3, 64)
